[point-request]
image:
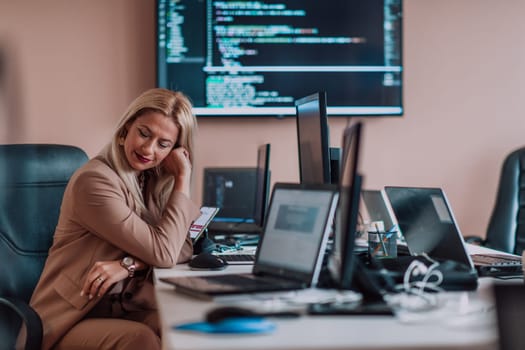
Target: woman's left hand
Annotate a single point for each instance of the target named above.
(101, 277)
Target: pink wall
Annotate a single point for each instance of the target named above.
(75, 65)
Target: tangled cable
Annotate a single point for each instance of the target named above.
(420, 282)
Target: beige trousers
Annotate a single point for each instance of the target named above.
(109, 326)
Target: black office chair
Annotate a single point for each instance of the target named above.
(506, 229)
(33, 178)
(510, 310)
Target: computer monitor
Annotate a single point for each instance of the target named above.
(313, 139)
(348, 209)
(263, 183)
(346, 270)
(250, 59)
(233, 191)
(241, 193)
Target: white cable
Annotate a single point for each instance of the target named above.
(416, 296)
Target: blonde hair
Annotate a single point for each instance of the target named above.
(172, 104)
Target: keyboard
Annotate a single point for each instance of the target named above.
(250, 282)
(237, 258)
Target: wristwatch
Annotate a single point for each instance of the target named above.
(129, 264)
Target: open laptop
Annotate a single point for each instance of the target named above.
(291, 250)
(377, 208)
(428, 225)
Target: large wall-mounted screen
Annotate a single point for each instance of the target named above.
(255, 58)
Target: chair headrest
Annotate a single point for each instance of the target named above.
(28, 163)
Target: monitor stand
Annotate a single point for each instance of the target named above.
(372, 302)
(335, 164)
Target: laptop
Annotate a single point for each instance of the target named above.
(291, 249)
(378, 209)
(428, 225)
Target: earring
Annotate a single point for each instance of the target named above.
(121, 141)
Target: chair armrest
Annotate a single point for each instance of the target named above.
(474, 240)
(30, 319)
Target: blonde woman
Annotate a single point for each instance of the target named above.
(124, 212)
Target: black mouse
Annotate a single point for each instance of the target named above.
(207, 261)
(224, 312)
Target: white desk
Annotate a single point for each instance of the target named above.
(466, 322)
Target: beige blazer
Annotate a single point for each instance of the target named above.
(98, 223)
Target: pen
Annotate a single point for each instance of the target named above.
(381, 241)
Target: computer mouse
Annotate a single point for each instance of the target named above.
(221, 313)
(207, 261)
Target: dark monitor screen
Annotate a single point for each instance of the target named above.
(313, 139)
(255, 58)
(233, 190)
(240, 193)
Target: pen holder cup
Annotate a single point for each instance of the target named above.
(382, 245)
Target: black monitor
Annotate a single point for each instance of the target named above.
(348, 272)
(313, 139)
(233, 191)
(263, 183)
(241, 193)
(255, 58)
(348, 209)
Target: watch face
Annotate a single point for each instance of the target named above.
(128, 261)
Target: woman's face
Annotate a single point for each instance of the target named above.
(149, 139)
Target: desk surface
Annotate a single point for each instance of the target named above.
(466, 320)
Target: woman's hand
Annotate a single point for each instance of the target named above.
(101, 277)
(178, 163)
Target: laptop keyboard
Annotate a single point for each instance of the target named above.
(249, 282)
(496, 260)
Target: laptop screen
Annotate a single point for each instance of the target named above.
(427, 223)
(377, 208)
(296, 229)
